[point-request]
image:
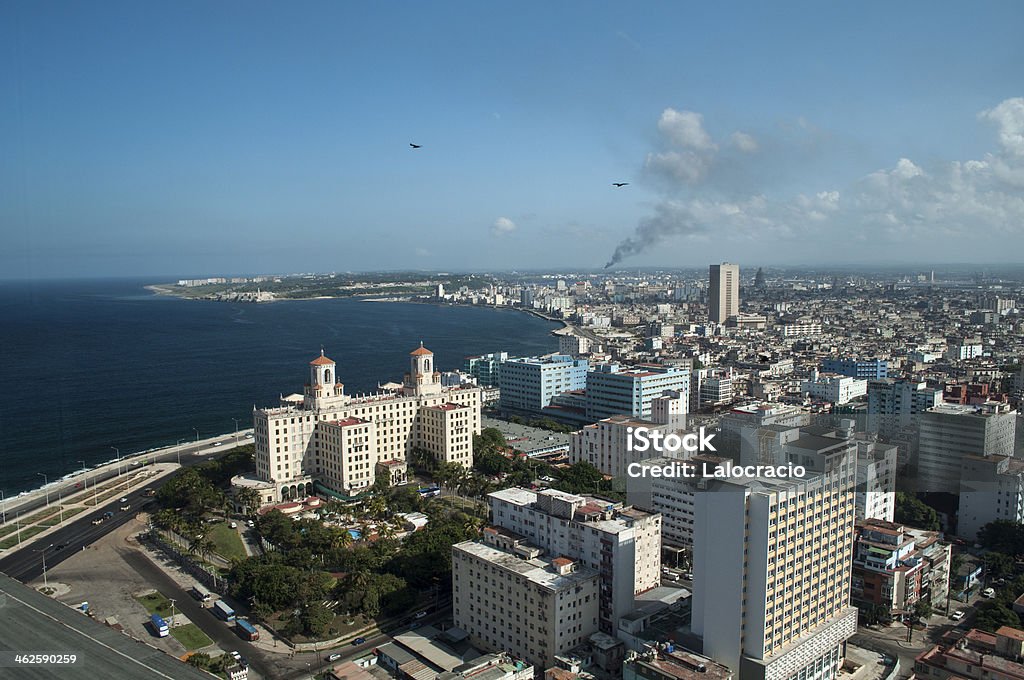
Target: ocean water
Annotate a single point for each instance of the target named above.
(89, 365)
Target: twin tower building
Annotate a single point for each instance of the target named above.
(328, 441)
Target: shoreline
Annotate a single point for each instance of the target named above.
(129, 460)
(165, 289)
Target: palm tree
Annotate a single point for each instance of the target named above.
(249, 499)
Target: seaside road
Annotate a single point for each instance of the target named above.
(27, 564)
(187, 454)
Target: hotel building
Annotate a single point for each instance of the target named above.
(772, 566)
(326, 440)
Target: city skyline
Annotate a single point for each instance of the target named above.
(202, 139)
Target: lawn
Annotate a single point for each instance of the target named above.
(190, 636)
(155, 603)
(25, 533)
(53, 521)
(227, 541)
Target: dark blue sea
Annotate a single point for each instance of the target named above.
(88, 365)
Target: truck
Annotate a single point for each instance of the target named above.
(246, 631)
(200, 592)
(159, 625)
(223, 610)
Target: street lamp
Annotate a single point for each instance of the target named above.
(197, 437)
(177, 446)
(172, 612)
(46, 483)
(43, 551)
(60, 505)
(236, 430)
(3, 508)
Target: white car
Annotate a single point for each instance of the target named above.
(957, 615)
(234, 525)
(988, 592)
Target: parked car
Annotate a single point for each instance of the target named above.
(957, 615)
(234, 525)
(988, 592)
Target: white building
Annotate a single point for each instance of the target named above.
(968, 348)
(623, 544)
(876, 481)
(772, 568)
(573, 345)
(338, 442)
(510, 597)
(834, 388)
(800, 329)
(606, 443)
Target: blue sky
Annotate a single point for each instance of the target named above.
(198, 138)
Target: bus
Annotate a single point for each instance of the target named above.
(246, 631)
(223, 610)
(200, 592)
(159, 625)
(430, 491)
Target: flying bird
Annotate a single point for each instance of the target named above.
(620, 184)
(415, 146)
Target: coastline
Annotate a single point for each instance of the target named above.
(130, 460)
(165, 289)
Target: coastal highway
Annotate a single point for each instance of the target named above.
(27, 563)
(96, 477)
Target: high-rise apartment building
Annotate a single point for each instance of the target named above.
(723, 292)
(772, 570)
(622, 544)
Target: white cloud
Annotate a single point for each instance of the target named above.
(422, 252)
(685, 128)
(744, 142)
(1009, 119)
(502, 226)
(949, 206)
(684, 166)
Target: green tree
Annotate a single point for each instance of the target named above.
(316, 619)
(993, 615)
(913, 512)
(1002, 536)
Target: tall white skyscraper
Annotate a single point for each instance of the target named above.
(723, 292)
(772, 568)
